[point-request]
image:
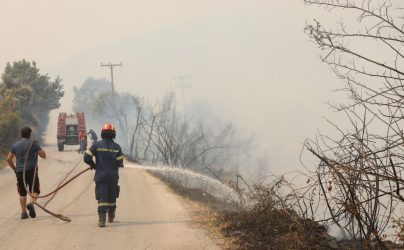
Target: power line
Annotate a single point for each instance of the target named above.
(133, 28)
(183, 13)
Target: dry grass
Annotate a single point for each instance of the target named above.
(272, 229)
(267, 222)
(265, 225)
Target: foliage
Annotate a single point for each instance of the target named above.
(86, 94)
(26, 97)
(10, 121)
(33, 95)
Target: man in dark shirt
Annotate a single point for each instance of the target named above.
(19, 150)
(109, 159)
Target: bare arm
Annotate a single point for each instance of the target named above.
(42, 154)
(10, 158)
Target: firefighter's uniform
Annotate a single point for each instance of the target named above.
(109, 159)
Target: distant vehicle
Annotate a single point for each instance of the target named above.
(69, 128)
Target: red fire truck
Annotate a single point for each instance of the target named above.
(69, 128)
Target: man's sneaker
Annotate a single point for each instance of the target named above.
(111, 217)
(31, 210)
(24, 216)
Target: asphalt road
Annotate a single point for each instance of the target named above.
(149, 215)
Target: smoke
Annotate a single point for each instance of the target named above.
(51, 131)
(336, 232)
(251, 66)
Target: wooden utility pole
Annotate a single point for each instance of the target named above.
(111, 66)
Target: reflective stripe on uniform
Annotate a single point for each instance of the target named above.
(120, 158)
(89, 153)
(108, 150)
(106, 204)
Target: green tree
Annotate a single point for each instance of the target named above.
(85, 97)
(29, 95)
(10, 121)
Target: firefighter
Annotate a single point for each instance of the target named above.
(81, 142)
(109, 159)
(19, 150)
(94, 136)
(84, 144)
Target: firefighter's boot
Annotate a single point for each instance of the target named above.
(111, 213)
(111, 216)
(102, 219)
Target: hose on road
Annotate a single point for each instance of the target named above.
(62, 181)
(62, 184)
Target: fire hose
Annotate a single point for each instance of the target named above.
(62, 184)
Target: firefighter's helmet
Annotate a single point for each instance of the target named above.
(108, 131)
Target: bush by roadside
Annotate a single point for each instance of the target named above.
(261, 226)
(263, 220)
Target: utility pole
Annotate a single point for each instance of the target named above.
(111, 66)
(182, 85)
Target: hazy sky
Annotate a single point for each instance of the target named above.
(250, 59)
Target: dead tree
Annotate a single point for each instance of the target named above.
(359, 174)
(121, 112)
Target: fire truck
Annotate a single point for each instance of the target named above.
(69, 128)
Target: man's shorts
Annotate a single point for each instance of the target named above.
(29, 174)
